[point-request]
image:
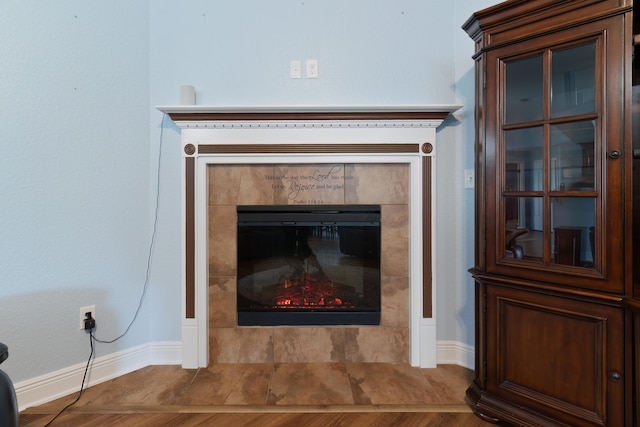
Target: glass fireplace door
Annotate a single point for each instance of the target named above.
(308, 265)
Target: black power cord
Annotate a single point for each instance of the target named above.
(84, 377)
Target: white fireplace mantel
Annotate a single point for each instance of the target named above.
(310, 134)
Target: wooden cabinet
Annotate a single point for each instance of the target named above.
(554, 253)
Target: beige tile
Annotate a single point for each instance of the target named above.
(134, 388)
(309, 384)
(395, 218)
(291, 384)
(313, 184)
(394, 301)
(308, 344)
(240, 185)
(394, 240)
(222, 302)
(230, 384)
(450, 382)
(377, 184)
(389, 384)
(241, 345)
(377, 344)
(394, 257)
(222, 240)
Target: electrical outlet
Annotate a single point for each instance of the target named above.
(312, 68)
(83, 311)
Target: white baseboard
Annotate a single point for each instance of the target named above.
(455, 353)
(45, 388)
(54, 385)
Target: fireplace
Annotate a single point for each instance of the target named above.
(251, 156)
(308, 265)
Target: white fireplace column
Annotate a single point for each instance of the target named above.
(309, 135)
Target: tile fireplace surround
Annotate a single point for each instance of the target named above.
(312, 156)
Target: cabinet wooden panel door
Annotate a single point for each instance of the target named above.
(558, 356)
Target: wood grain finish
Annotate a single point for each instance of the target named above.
(309, 116)
(579, 393)
(513, 20)
(307, 148)
(427, 256)
(553, 327)
(319, 419)
(190, 242)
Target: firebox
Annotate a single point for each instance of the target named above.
(308, 265)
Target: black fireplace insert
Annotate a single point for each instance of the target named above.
(308, 265)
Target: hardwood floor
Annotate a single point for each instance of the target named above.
(320, 394)
(358, 419)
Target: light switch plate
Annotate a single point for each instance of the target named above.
(469, 179)
(296, 69)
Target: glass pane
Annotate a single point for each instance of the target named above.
(573, 229)
(523, 93)
(572, 156)
(573, 81)
(524, 154)
(524, 237)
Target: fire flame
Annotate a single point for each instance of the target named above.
(308, 292)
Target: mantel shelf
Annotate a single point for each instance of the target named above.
(308, 113)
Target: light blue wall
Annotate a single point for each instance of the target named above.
(74, 177)
(79, 141)
(238, 52)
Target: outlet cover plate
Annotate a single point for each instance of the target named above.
(312, 68)
(85, 310)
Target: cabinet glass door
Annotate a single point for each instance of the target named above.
(549, 187)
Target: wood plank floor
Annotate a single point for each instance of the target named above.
(334, 394)
(358, 419)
